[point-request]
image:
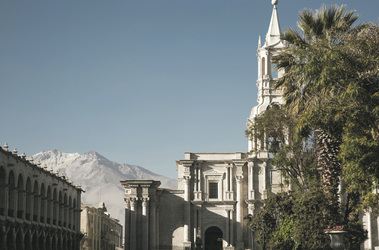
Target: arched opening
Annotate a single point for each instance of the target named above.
(35, 241)
(20, 197)
(19, 241)
(35, 201)
(43, 204)
(3, 177)
(54, 243)
(27, 241)
(55, 207)
(59, 244)
(28, 199)
(74, 215)
(2, 237)
(64, 243)
(65, 211)
(70, 212)
(263, 65)
(10, 241)
(213, 239)
(274, 73)
(60, 204)
(11, 195)
(48, 210)
(48, 243)
(42, 242)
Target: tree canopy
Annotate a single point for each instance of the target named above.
(329, 122)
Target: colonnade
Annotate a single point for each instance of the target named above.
(38, 208)
(141, 215)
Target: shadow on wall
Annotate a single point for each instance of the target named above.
(210, 224)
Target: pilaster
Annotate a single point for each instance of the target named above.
(133, 222)
(145, 222)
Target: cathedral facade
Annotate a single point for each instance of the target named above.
(216, 191)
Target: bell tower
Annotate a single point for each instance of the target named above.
(267, 76)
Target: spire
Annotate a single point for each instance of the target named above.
(273, 34)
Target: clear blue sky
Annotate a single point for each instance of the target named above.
(139, 81)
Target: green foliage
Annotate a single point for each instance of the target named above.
(292, 221)
(355, 235)
(330, 122)
(294, 156)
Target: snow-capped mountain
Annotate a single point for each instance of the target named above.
(99, 177)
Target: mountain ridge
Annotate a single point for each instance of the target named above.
(99, 177)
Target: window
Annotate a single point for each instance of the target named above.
(213, 190)
(274, 73)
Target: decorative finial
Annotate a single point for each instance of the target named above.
(259, 42)
(23, 156)
(31, 160)
(274, 2)
(39, 163)
(6, 147)
(15, 151)
(45, 167)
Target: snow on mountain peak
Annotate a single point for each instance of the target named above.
(99, 177)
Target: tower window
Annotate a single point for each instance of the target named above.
(263, 65)
(274, 73)
(213, 190)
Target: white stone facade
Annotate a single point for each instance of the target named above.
(216, 191)
(39, 210)
(100, 230)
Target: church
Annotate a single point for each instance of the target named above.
(216, 191)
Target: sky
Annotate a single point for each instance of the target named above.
(138, 81)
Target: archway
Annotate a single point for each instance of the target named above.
(27, 241)
(10, 241)
(35, 241)
(19, 241)
(213, 239)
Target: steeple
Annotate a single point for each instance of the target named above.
(274, 32)
(267, 74)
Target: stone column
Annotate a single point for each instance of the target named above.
(157, 226)
(227, 227)
(153, 227)
(133, 222)
(251, 211)
(187, 208)
(231, 178)
(127, 224)
(251, 181)
(197, 187)
(231, 229)
(264, 173)
(145, 223)
(238, 211)
(195, 224)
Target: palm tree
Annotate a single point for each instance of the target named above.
(309, 87)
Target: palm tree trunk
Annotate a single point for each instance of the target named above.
(329, 166)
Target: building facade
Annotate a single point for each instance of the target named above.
(216, 191)
(39, 210)
(100, 230)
